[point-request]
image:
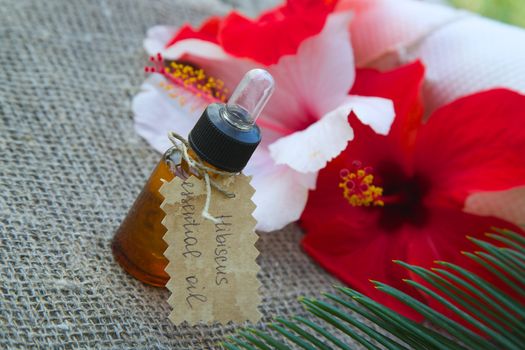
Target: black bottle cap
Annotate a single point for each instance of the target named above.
(220, 143)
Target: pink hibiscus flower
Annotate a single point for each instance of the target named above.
(304, 125)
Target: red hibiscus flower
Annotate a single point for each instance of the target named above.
(402, 196)
(274, 33)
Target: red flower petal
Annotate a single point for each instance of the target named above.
(371, 259)
(476, 143)
(328, 210)
(275, 33)
(402, 86)
(208, 32)
(348, 242)
(443, 239)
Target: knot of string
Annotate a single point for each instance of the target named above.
(196, 165)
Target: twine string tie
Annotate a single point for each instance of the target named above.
(196, 165)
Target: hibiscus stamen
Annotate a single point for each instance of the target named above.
(193, 80)
(358, 186)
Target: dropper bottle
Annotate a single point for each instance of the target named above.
(224, 137)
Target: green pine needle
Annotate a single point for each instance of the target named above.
(479, 303)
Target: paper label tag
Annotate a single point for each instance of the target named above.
(212, 267)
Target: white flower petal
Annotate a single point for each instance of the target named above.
(402, 23)
(487, 54)
(317, 78)
(281, 193)
(195, 47)
(157, 37)
(508, 205)
(309, 150)
(376, 112)
(155, 113)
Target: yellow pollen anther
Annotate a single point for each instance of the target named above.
(358, 187)
(195, 81)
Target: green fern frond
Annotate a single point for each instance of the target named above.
(484, 306)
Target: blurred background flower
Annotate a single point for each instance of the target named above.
(508, 11)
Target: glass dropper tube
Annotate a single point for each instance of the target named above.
(249, 98)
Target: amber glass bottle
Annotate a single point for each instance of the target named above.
(224, 137)
(138, 245)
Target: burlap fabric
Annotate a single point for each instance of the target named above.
(70, 167)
